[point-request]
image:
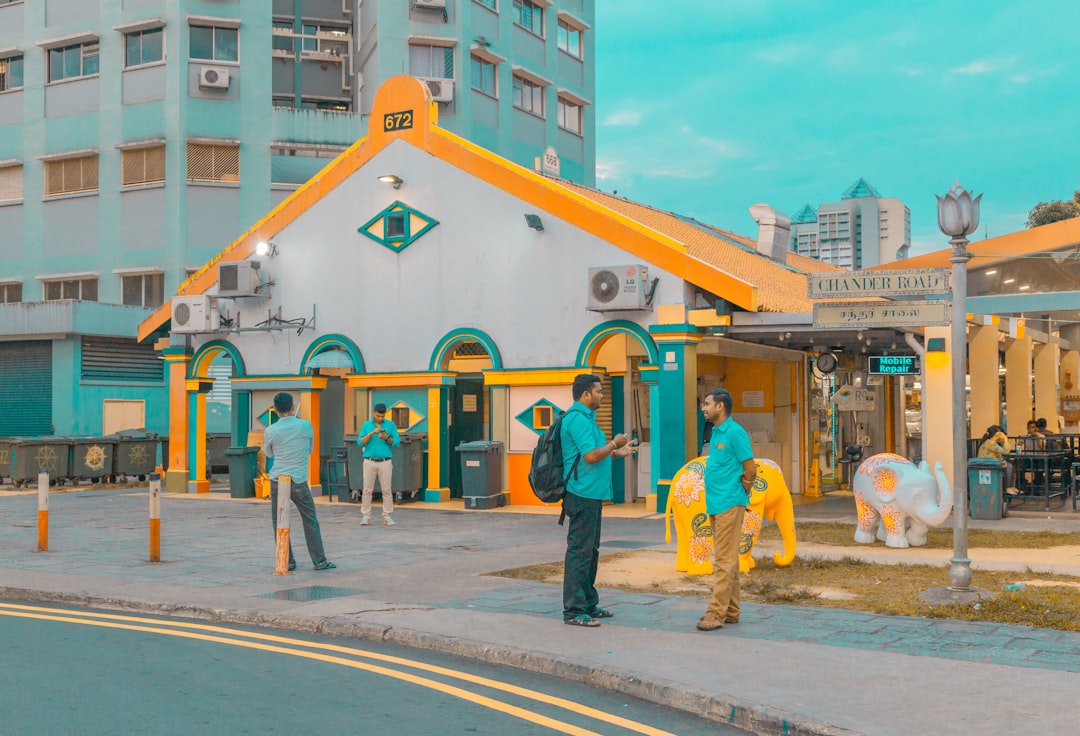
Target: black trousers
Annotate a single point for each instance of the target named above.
(582, 555)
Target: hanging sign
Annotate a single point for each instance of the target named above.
(912, 282)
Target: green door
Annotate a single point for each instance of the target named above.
(26, 388)
(466, 422)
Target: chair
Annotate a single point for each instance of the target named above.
(1075, 469)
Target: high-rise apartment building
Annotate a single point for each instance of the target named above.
(863, 229)
(138, 137)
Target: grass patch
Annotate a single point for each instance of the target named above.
(843, 535)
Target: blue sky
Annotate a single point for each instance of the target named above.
(706, 107)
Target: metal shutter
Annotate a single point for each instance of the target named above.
(119, 359)
(26, 388)
(11, 183)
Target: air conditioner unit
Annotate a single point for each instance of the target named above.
(195, 314)
(614, 288)
(430, 4)
(239, 278)
(214, 77)
(442, 90)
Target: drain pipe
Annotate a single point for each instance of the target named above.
(920, 350)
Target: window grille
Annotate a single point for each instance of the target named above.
(213, 162)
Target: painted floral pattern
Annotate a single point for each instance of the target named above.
(700, 549)
(885, 483)
(865, 511)
(893, 520)
(868, 465)
(690, 485)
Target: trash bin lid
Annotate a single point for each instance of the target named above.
(479, 446)
(136, 434)
(241, 450)
(991, 462)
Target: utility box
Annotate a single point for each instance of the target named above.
(243, 469)
(985, 489)
(481, 474)
(92, 457)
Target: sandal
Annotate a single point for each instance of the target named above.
(582, 619)
(601, 613)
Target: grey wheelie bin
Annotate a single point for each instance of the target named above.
(408, 473)
(31, 455)
(985, 488)
(92, 457)
(243, 467)
(481, 474)
(136, 452)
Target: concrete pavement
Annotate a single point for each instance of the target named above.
(426, 583)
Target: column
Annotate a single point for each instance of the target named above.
(177, 358)
(1018, 398)
(198, 478)
(1046, 359)
(938, 402)
(984, 364)
(674, 417)
(313, 413)
(438, 456)
(498, 421)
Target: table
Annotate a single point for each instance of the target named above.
(1047, 462)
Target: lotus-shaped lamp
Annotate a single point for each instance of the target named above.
(957, 212)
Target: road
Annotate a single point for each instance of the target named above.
(75, 671)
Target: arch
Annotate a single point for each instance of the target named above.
(200, 362)
(597, 336)
(443, 348)
(333, 342)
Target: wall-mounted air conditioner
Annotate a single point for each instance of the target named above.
(214, 77)
(238, 278)
(195, 314)
(618, 288)
(430, 4)
(442, 90)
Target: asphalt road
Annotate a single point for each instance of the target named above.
(70, 671)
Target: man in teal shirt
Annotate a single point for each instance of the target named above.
(589, 484)
(289, 441)
(378, 437)
(729, 476)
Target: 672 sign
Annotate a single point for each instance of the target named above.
(398, 120)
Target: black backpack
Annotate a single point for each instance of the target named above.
(546, 474)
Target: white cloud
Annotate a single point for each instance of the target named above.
(625, 117)
(609, 170)
(976, 67)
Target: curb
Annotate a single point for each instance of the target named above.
(755, 718)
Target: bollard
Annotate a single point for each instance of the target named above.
(43, 511)
(155, 517)
(284, 494)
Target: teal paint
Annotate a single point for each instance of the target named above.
(415, 398)
(650, 379)
(193, 409)
(669, 454)
(328, 342)
(618, 425)
(443, 349)
(241, 418)
(600, 332)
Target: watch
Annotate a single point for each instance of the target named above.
(826, 362)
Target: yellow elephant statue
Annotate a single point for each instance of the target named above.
(769, 500)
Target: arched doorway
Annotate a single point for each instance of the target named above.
(334, 357)
(214, 365)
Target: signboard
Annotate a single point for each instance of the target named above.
(861, 315)
(894, 365)
(849, 398)
(912, 282)
(398, 120)
(550, 161)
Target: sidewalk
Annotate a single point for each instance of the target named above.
(426, 583)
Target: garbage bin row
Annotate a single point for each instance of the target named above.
(130, 453)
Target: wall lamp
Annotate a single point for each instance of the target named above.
(265, 248)
(936, 357)
(535, 222)
(395, 181)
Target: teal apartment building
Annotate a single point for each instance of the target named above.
(139, 138)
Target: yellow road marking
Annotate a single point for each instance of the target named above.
(22, 611)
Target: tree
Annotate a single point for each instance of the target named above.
(1046, 212)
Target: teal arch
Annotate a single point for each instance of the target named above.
(333, 341)
(450, 339)
(596, 337)
(200, 362)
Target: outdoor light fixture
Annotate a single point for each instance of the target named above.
(534, 222)
(395, 181)
(936, 357)
(1009, 281)
(991, 272)
(264, 248)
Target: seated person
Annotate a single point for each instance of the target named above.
(1041, 428)
(1052, 441)
(996, 445)
(1034, 439)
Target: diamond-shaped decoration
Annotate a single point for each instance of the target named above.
(397, 226)
(268, 417)
(530, 416)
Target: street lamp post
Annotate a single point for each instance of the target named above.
(958, 217)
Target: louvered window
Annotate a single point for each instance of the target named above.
(213, 162)
(117, 359)
(603, 414)
(11, 183)
(143, 166)
(71, 175)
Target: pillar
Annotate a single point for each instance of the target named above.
(938, 402)
(313, 413)
(1046, 359)
(1070, 390)
(674, 438)
(178, 359)
(198, 477)
(438, 455)
(1018, 399)
(984, 363)
(498, 421)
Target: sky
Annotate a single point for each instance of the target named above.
(705, 107)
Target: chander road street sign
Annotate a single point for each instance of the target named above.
(859, 315)
(912, 282)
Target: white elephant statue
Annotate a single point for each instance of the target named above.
(907, 499)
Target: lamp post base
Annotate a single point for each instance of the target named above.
(947, 596)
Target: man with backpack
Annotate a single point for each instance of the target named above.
(586, 457)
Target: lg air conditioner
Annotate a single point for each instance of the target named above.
(192, 314)
(214, 77)
(430, 4)
(238, 278)
(442, 90)
(614, 288)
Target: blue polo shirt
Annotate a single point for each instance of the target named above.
(580, 435)
(289, 441)
(729, 448)
(377, 447)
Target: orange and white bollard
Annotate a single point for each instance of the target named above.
(155, 517)
(284, 494)
(43, 511)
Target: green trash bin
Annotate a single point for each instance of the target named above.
(136, 453)
(481, 474)
(243, 467)
(92, 457)
(354, 462)
(5, 457)
(31, 455)
(985, 488)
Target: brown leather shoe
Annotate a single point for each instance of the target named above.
(731, 620)
(709, 623)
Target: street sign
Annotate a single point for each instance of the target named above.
(861, 315)
(912, 282)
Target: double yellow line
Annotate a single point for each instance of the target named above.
(276, 644)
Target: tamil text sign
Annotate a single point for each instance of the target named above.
(858, 315)
(914, 282)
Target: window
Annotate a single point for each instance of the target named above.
(569, 38)
(569, 116)
(142, 166)
(71, 62)
(11, 183)
(284, 102)
(325, 39)
(11, 73)
(397, 227)
(529, 16)
(214, 43)
(84, 289)
(488, 4)
(213, 162)
(528, 96)
(144, 47)
(483, 75)
(283, 42)
(143, 290)
(71, 175)
(434, 62)
(326, 105)
(399, 415)
(10, 293)
(542, 417)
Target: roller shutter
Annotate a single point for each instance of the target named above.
(26, 388)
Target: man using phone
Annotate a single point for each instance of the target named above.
(378, 437)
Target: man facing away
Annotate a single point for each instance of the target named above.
(587, 459)
(289, 441)
(729, 476)
(378, 437)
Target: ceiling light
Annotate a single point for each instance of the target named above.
(1008, 281)
(991, 272)
(1025, 287)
